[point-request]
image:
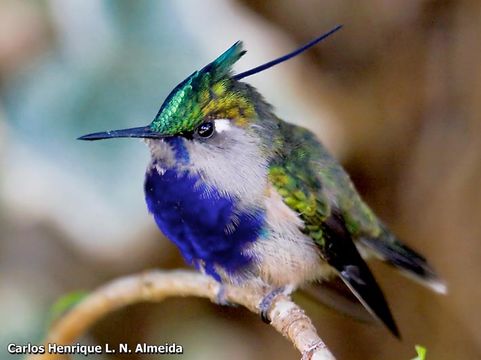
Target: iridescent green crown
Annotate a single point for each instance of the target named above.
(205, 93)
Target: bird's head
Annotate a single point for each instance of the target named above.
(194, 106)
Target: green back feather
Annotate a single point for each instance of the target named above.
(312, 183)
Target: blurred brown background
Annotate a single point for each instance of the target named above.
(395, 95)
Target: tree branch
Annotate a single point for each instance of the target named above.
(154, 286)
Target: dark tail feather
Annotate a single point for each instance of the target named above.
(409, 262)
(341, 253)
(361, 282)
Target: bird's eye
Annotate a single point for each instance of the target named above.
(206, 129)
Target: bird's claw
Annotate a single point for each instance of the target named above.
(266, 303)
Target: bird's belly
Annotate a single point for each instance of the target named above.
(280, 264)
(287, 256)
(204, 223)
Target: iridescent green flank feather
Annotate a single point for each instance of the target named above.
(313, 184)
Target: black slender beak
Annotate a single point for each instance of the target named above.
(138, 132)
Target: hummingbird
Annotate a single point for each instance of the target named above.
(252, 200)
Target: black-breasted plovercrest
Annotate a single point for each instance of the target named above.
(252, 200)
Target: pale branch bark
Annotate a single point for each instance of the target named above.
(154, 286)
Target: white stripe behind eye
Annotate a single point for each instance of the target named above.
(222, 125)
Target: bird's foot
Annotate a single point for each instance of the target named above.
(307, 354)
(221, 298)
(266, 302)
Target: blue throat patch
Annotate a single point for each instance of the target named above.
(195, 218)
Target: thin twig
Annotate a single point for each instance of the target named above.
(154, 286)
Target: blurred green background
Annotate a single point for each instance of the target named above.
(396, 96)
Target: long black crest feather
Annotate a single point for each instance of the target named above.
(286, 57)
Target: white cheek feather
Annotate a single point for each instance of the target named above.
(222, 125)
(232, 163)
(162, 153)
